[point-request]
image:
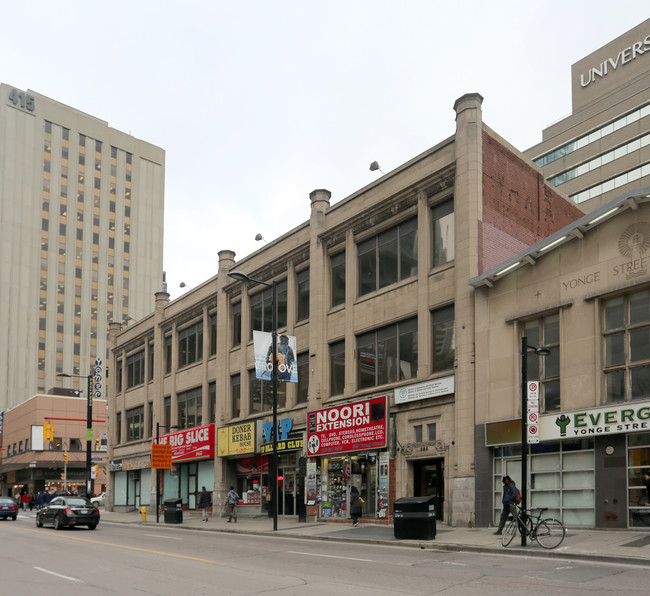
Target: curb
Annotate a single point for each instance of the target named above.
(430, 546)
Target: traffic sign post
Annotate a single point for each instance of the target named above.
(532, 413)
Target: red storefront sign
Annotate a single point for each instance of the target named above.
(350, 427)
(191, 444)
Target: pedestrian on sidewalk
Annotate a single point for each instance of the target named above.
(232, 498)
(355, 506)
(508, 499)
(205, 501)
(647, 485)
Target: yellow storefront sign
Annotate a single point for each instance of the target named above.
(238, 439)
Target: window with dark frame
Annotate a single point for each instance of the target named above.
(388, 257)
(235, 395)
(168, 354)
(213, 334)
(135, 369)
(262, 312)
(302, 280)
(135, 424)
(190, 408)
(118, 376)
(303, 378)
(151, 360)
(443, 243)
(261, 394)
(118, 428)
(167, 414)
(212, 402)
(626, 346)
(190, 344)
(337, 268)
(388, 354)
(235, 311)
(337, 368)
(545, 369)
(444, 353)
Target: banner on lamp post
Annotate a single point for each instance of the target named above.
(287, 363)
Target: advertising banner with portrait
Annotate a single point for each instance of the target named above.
(287, 363)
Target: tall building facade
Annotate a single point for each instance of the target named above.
(374, 288)
(602, 150)
(81, 239)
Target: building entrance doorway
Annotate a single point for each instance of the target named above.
(429, 481)
(287, 492)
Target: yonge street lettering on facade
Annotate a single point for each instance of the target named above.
(610, 420)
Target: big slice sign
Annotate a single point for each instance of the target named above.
(350, 427)
(191, 444)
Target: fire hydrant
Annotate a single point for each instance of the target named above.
(143, 511)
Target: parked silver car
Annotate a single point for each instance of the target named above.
(99, 500)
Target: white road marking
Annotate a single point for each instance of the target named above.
(163, 536)
(293, 552)
(72, 579)
(454, 563)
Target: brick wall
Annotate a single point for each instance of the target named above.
(519, 208)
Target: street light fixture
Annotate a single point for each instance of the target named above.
(89, 424)
(541, 351)
(241, 276)
(158, 427)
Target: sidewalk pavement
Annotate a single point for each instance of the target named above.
(613, 546)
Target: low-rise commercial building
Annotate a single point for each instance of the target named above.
(32, 463)
(374, 289)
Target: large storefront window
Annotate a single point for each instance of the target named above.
(638, 463)
(367, 471)
(562, 479)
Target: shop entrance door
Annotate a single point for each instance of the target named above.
(192, 485)
(287, 504)
(429, 481)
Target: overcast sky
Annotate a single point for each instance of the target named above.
(258, 103)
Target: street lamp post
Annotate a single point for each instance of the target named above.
(158, 427)
(525, 348)
(89, 424)
(241, 276)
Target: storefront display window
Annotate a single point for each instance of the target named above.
(638, 458)
(562, 479)
(367, 471)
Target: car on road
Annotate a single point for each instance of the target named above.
(68, 512)
(99, 499)
(8, 508)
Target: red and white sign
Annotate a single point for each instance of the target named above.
(350, 427)
(191, 444)
(533, 433)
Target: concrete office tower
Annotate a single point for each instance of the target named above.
(81, 239)
(602, 150)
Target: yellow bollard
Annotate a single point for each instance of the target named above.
(143, 511)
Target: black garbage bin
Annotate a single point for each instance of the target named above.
(174, 511)
(415, 518)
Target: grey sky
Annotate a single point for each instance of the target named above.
(258, 103)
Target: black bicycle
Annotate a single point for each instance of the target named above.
(548, 532)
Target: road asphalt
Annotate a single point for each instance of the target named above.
(613, 546)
